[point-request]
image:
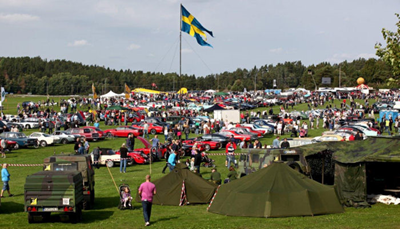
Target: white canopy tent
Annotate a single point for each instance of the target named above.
(111, 94)
(210, 91)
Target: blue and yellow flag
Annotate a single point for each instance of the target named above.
(193, 27)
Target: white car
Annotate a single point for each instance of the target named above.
(108, 158)
(266, 129)
(44, 139)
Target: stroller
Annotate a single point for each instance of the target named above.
(208, 162)
(121, 205)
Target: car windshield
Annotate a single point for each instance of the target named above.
(20, 135)
(46, 135)
(256, 126)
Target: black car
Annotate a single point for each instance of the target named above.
(217, 138)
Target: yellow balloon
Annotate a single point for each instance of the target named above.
(360, 80)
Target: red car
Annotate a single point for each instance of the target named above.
(255, 131)
(123, 131)
(236, 135)
(204, 144)
(153, 128)
(148, 149)
(97, 130)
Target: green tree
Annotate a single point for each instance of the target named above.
(391, 53)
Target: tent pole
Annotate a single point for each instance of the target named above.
(323, 169)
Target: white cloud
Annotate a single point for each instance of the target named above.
(187, 51)
(18, 17)
(278, 50)
(340, 57)
(150, 55)
(78, 43)
(346, 19)
(133, 47)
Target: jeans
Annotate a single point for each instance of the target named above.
(230, 159)
(145, 133)
(387, 129)
(171, 167)
(146, 205)
(187, 136)
(165, 137)
(197, 167)
(122, 165)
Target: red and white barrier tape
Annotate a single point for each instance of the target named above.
(183, 200)
(212, 199)
(24, 165)
(223, 154)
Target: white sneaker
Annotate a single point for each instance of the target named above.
(147, 224)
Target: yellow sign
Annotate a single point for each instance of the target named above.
(33, 201)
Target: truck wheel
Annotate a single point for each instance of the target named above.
(153, 131)
(207, 147)
(295, 166)
(86, 205)
(109, 164)
(64, 141)
(92, 197)
(76, 216)
(30, 217)
(43, 143)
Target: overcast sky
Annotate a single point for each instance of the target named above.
(144, 34)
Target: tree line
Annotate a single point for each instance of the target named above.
(22, 75)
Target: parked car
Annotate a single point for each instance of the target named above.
(222, 139)
(123, 131)
(153, 128)
(20, 138)
(109, 158)
(87, 133)
(29, 123)
(64, 137)
(101, 133)
(45, 139)
(7, 144)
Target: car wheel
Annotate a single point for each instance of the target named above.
(207, 147)
(129, 162)
(43, 143)
(36, 145)
(153, 131)
(64, 141)
(109, 164)
(110, 135)
(27, 127)
(16, 146)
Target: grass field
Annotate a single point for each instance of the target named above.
(106, 215)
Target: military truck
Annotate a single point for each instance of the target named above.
(252, 160)
(73, 162)
(54, 191)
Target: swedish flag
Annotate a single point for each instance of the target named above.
(193, 27)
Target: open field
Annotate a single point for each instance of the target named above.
(106, 215)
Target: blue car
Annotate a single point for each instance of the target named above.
(21, 139)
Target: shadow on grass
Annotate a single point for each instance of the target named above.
(11, 207)
(93, 216)
(106, 202)
(164, 219)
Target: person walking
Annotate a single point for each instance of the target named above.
(96, 155)
(146, 130)
(146, 192)
(230, 153)
(197, 161)
(87, 146)
(123, 157)
(128, 142)
(5, 177)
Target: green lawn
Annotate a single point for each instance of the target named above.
(106, 214)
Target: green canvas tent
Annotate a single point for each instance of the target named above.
(196, 190)
(362, 167)
(275, 191)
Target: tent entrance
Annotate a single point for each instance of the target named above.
(383, 178)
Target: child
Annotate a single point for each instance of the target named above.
(126, 195)
(192, 164)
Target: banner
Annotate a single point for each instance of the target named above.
(127, 92)
(94, 91)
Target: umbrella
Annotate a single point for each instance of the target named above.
(117, 108)
(221, 93)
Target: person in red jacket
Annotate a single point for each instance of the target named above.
(230, 153)
(351, 138)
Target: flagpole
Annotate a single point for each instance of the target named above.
(180, 57)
